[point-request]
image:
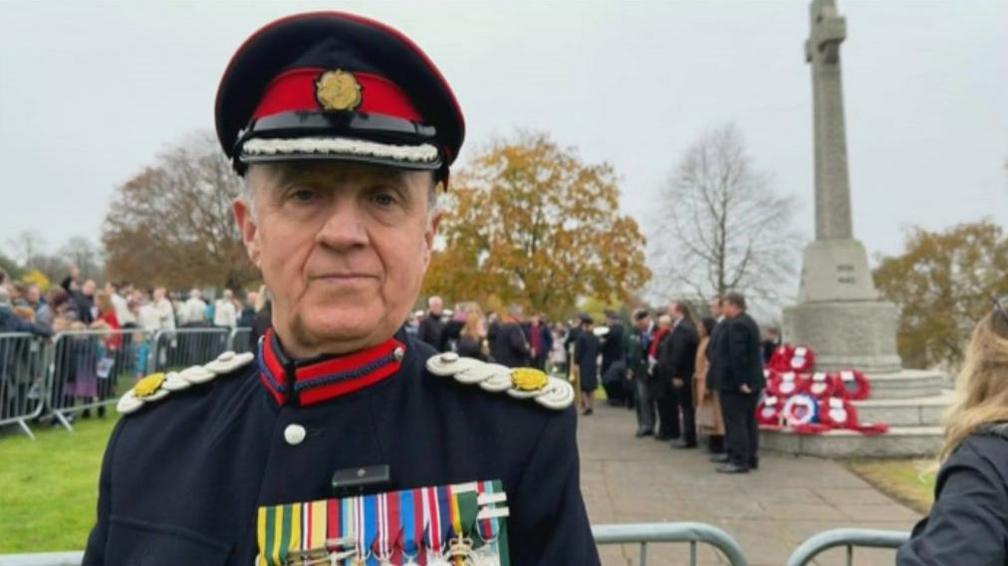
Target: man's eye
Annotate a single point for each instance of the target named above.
(303, 195)
(384, 198)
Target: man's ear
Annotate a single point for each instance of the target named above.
(429, 235)
(249, 231)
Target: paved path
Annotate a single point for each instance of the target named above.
(769, 512)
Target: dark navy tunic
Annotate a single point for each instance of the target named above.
(183, 477)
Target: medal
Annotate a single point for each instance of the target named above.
(389, 529)
(453, 525)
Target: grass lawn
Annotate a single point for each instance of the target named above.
(49, 486)
(908, 481)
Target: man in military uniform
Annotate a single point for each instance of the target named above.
(335, 444)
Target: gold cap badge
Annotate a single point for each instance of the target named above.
(338, 90)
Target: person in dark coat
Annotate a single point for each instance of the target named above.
(681, 363)
(432, 326)
(586, 353)
(771, 340)
(613, 351)
(661, 381)
(737, 365)
(968, 522)
(269, 458)
(540, 340)
(82, 294)
(509, 347)
(637, 369)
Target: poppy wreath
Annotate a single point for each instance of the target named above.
(800, 410)
(802, 359)
(823, 385)
(768, 411)
(789, 383)
(854, 385)
(840, 413)
(780, 360)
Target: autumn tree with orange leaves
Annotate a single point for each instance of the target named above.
(943, 284)
(529, 222)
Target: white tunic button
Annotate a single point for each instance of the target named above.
(294, 434)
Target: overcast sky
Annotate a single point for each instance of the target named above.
(90, 92)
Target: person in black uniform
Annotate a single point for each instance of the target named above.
(586, 353)
(737, 361)
(968, 523)
(342, 128)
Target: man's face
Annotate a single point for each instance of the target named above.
(34, 294)
(436, 306)
(159, 294)
(343, 247)
(673, 311)
(715, 308)
(730, 310)
(644, 323)
(88, 288)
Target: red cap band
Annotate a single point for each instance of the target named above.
(295, 90)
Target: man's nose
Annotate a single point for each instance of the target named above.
(344, 229)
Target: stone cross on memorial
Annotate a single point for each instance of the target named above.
(832, 185)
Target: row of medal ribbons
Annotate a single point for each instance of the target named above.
(452, 525)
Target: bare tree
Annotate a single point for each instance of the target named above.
(721, 227)
(171, 224)
(28, 245)
(83, 253)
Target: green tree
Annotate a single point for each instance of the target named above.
(529, 222)
(943, 283)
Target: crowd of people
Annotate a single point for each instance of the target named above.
(124, 319)
(687, 376)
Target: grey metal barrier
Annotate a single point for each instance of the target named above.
(692, 533)
(187, 346)
(240, 340)
(848, 538)
(90, 369)
(43, 559)
(22, 379)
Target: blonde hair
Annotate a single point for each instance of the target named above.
(665, 320)
(982, 384)
(103, 301)
(472, 325)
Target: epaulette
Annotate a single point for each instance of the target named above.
(157, 386)
(521, 383)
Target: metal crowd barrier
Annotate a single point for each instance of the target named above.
(22, 379)
(90, 369)
(631, 533)
(848, 538)
(240, 340)
(83, 371)
(184, 347)
(692, 533)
